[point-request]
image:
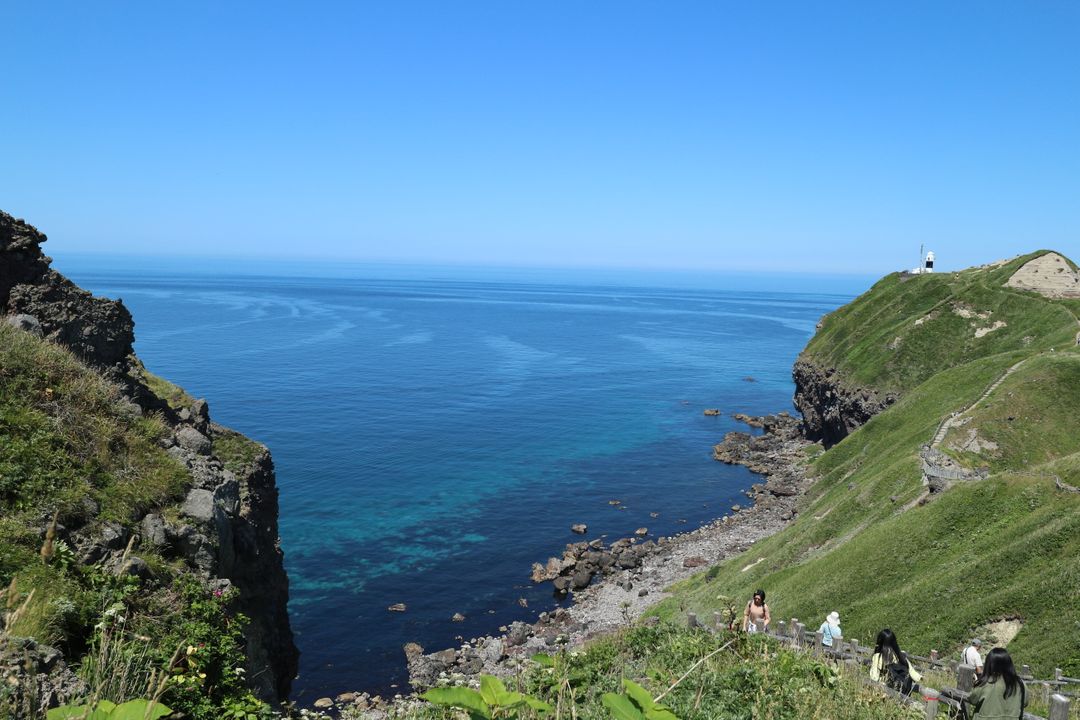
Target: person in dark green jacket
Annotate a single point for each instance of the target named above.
(999, 694)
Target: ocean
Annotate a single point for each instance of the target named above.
(435, 433)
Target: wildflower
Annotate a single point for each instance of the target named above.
(190, 649)
(218, 593)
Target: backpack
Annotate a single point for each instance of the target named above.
(898, 678)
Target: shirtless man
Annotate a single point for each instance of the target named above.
(756, 616)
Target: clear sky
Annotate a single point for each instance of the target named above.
(715, 135)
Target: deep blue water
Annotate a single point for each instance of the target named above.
(435, 437)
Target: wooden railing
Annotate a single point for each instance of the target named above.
(795, 634)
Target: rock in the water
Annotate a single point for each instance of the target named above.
(397, 607)
(345, 698)
(457, 617)
(712, 412)
(324, 703)
(579, 528)
(641, 532)
(581, 579)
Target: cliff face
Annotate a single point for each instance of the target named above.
(832, 409)
(226, 529)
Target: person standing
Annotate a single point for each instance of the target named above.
(972, 657)
(830, 629)
(891, 666)
(999, 694)
(756, 616)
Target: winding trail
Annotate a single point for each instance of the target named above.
(954, 419)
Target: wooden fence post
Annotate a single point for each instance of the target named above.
(718, 620)
(1025, 672)
(855, 648)
(800, 635)
(781, 628)
(965, 677)
(691, 620)
(1059, 707)
(819, 642)
(792, 625)
(934, 655)
(931, 696)
(1058, 674)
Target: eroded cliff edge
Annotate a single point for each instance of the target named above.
(831, 407)
(224, 525)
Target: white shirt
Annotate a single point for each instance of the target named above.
(972, 657)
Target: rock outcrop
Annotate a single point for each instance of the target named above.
(832, 408)
(100, 331)
(226, 529)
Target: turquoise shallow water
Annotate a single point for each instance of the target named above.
(434, 437)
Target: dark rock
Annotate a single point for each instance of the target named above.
(191, 439)
(693, 562)
(199, 505)
(114, 536)
(26, 323)
(831, 407)
(581, 579)
(136, 567)
(154, 531)
(517, 634)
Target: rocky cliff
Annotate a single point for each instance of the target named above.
(225, 529)
(832, 408)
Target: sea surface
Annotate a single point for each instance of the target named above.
(435, 433)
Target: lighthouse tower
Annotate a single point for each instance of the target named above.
(928, 264)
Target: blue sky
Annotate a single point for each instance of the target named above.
(803, 136)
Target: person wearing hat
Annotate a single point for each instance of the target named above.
(972, 657)
(830, 629)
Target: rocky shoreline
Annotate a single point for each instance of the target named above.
(615, 584)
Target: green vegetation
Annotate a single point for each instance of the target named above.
(73, 452)
(666, 672)
(872, 543)
(235, 450)
(907, 328)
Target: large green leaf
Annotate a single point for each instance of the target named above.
(492, 690)
(543, 660)
(139, 710)
(538, 705)
(459, 697)
(621, 707)
(643, 699)
(68, 712)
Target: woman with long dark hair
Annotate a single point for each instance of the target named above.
(891, 666)
(999, 694)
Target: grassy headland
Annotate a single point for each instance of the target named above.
(872, 542)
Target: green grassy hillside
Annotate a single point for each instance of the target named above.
(871, 543)
(71, 447)
(906, 328)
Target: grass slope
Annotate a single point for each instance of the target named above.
(1004, 547)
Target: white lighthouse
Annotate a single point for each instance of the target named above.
(926, 263)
